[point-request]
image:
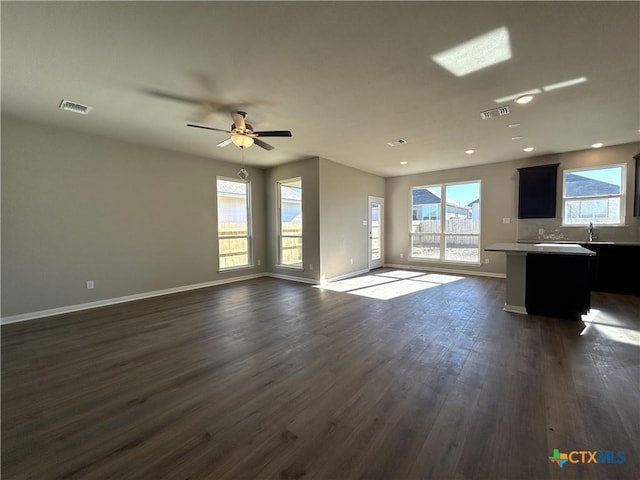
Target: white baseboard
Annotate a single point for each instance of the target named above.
(515, 309)
(128, 298)
(290, 277)
(345, 276)
(446, 270)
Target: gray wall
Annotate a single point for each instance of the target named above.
(528, 228)
(344, 193)
(78, 207)
(499, 199)
(134, 219)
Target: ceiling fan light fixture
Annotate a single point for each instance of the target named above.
(242, 141)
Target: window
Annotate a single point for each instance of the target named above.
(594, 195)
(445, 222)
(234, 223)
(290, 222)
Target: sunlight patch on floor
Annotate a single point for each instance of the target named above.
(399, 274)
(354, 283)
(388, 285)
(387, 291)
(610, 327)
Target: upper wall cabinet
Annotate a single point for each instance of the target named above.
(537, 188)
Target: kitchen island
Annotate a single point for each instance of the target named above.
(547, 278)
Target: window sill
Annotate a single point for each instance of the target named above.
(235, 269)
(444, 262)
(290, 267)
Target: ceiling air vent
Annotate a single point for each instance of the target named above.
(395, 143)
(74, 107)
(496, 112)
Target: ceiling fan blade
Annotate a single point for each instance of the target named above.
(262, 144)
(238, 120)
(175, 98)
(207, 128)
(274, 133)
(224, 143)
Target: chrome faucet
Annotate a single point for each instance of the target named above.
(590, 231)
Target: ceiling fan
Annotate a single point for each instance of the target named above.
(243, 135)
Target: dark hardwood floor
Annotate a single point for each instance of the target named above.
(273, 379)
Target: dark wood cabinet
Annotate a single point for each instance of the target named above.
(537, 187)
(558, 285)
(614, 268)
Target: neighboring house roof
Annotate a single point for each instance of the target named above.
(424, 196)
(232, 189)
(579, 186)
(291, 193)
(477, 200)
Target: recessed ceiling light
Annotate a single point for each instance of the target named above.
(470, 151)
(403, 163)
(475, 54)
(514, 125)
(597, 145)
(516, 138)
(395, 143)
(528, 149)
(522, 99)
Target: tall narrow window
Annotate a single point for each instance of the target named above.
(594, 195)
(290, 222)
(445, 222)
(234, 223)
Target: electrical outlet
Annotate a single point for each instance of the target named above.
(506, 220)
(402, 255)
(486, 261)
(351, 261)
(259, 262)
(311, 267)
(90, 284)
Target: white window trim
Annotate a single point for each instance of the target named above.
(249, 235)
(622, 196)
(442, 233)
(279, 235)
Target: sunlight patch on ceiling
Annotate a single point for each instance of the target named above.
(508, 98)
(480, 52)
(546, 88)
(566, 83)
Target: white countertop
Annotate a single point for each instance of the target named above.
(551, 248)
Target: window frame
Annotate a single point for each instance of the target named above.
(248, 236)
(280, 235)
(622, 196)
(443, 218)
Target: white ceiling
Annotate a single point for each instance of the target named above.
(344, 77)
